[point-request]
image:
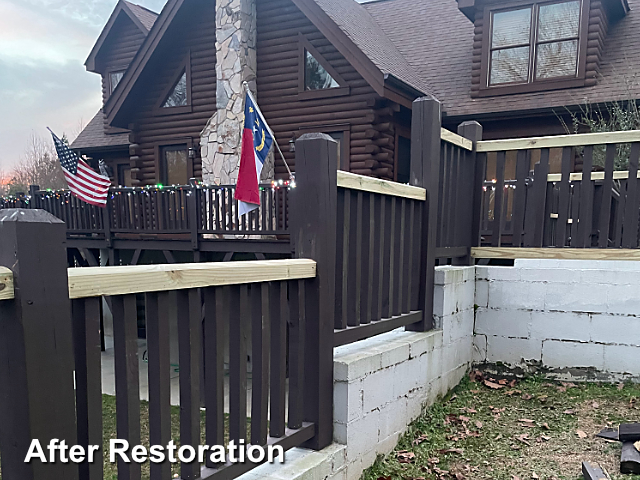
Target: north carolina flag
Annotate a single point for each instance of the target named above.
(257, 140)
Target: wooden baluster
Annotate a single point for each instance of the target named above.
(630, 228)
(564, 196)
(261, 338)
(296, 352)
(239, 316)
(387, 254)
(125, 344)
(605, 206)
(368, 258)
(353, 273)
(86, 338)
(189, 310)
(157, 314)
(519, 202)
(378, 262)
(216, 313)
(496, 235)
(586, 201)
(278, 301)
(343, 233)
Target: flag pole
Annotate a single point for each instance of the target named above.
(275, 142)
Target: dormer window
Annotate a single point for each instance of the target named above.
(534, 46)
(316, 76)
(176, 98)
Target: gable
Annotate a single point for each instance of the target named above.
(124, 28)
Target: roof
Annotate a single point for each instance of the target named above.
(141, 17)
(437, 40)
(368, 36)
(146, 16)
(94, 136)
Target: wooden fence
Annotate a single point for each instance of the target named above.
(596, 207)
(363, 264)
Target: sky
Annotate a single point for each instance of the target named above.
(43, 81)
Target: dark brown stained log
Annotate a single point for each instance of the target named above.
(36, 379)
(630, 459)
(125, 345)
(313, 235)
(157, 308)
(629, 432)
(591, 472)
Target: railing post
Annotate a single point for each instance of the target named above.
(194, 224)
(33, 193)
(37, 399)
(426, 125)
(472, 208)
(312, 224)
(106, 220)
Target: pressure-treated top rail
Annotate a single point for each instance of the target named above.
(98, 281)
(454, 138)
(558, 141)
(376, 185)
(6, 284)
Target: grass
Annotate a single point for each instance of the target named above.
(530, 430)
(110, 432)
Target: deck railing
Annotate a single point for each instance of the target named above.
(597, 207)
(192, 210)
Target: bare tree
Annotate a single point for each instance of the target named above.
(38, 166)
(4, 182)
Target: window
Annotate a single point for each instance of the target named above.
(316, 76)
(124, 175)
(178, 96)
(114, 80)
(174, 165)
(534, 44)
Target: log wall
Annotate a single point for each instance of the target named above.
(191, 35)
(367, 117)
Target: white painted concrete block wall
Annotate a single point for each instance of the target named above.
(381, 384)
(566, 315)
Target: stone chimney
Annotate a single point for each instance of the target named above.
(236, 63)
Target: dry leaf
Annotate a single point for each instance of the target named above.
(459, 451)
(405, 456)
(546, 426)
(535, 476)
(419, 440)
(637, 445)
(620, 386)
(524, 439)
(526, 396)
(492, 385)
(569, 412)
(595, 405)
(581, 434)
(478, 424)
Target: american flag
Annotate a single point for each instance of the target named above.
(83, 182)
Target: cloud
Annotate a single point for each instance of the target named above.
(43, 82)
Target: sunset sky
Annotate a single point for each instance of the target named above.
(43, 82)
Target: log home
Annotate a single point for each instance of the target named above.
(172, 84)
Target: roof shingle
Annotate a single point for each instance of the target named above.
(146, 16)
(94, 136)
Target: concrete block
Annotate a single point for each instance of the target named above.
(351, 367)
(446, 275)
(406, 378)
(517, 295)
(393, 420)
(347, 401)
(622, 359)
(458, 326)
(560, 326)
(378, 389)
(453, 298)
(575, 298)
(362, 435)
(503, 322)
(508, 274)
(559, 354)
(386, 445)
(617, 329)
(549, 275)
(512, 351)
(479, 348)
(482, 293)
(623, 299)
(425, 342)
